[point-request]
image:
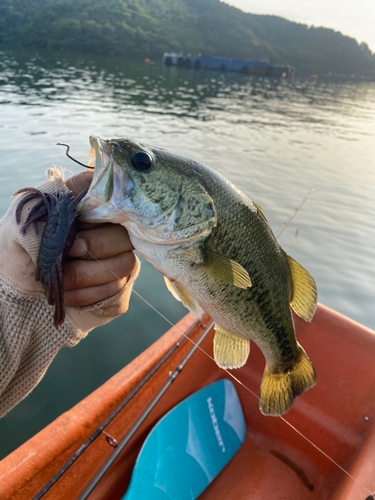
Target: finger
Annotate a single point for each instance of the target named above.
(79, 182)
(102, 243)
(85, 273)
(94, 294)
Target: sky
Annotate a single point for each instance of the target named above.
(355, 18)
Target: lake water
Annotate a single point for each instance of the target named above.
(276, 140)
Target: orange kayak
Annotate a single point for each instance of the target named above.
(276, 460)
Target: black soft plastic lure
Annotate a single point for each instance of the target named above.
(58, 210)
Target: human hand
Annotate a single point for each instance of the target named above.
(101, 258)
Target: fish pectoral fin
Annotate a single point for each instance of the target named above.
(171, 288)
(224, 269)
(304, 294)
(279, 390)
(230, 351)
(179, 293)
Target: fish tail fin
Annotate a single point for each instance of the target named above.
(279, 390)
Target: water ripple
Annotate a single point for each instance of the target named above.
(274, 139)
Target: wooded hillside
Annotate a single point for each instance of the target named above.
(147, 28)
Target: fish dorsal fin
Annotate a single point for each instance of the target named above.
(260, 210)
(230, 351)
(304, 294)
(179, 293)
(225, 269)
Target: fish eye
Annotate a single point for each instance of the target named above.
(141, 161)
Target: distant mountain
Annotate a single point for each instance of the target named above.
(147, 28)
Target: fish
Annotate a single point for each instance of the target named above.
(216, 252)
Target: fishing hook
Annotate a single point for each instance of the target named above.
(71, 157)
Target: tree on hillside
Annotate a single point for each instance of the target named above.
(147, 28)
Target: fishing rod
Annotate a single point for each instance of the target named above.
(172, 377)
(101, 428)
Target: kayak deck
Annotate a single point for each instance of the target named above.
(275, 461)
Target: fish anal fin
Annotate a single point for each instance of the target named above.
(182, 295)
(224, 269)
(303, 299)
(230, 351)
(279, 390)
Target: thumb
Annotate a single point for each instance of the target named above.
(79, 182)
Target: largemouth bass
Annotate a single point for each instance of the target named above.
(216, 251)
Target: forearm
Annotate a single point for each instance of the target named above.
(29, 341)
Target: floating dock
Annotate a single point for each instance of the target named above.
(222, 64)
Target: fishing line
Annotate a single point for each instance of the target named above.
(235, 378)
(293, 214)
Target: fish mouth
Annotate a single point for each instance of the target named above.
(108, 186)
